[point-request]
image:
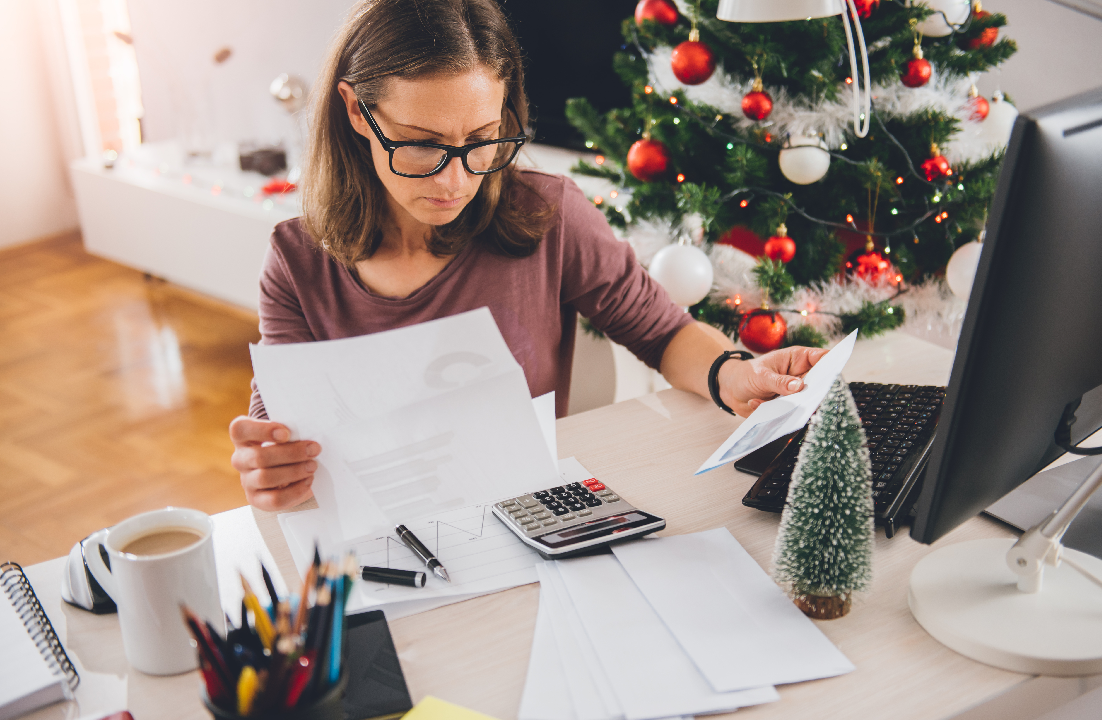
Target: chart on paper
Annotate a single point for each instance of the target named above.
(479, 552)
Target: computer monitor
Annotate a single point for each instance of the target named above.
(1030, 345)
(1032, 336)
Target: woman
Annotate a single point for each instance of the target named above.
(413, 210)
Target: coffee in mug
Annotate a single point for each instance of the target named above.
(160, 560)
(162, 541)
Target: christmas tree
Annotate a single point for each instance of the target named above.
(740, 137)
(824, 545)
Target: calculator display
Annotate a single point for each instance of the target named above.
(601, 528)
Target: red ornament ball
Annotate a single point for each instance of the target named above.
(916, 72)
(693, 62)
(936, 168)
(870, 265)
(757, 105)
(865, 8)
(762, 330)
(780, 246)
(648, 160)
(662, 12)
(985, 37)
(979, 107)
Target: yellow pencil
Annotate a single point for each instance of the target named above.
(247, 686)
(260, 616)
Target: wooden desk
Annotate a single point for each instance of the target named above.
(475, 653)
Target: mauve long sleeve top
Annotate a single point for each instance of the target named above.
(580, 267)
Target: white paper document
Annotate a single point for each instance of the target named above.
(649, 672)
(782, 415)
(481, 554)
(412, 422)
(738, 627)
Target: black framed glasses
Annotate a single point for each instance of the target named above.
(421, 159)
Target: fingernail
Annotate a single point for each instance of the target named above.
(313, 449)
(311, 466)
(281, 435)
(794, 384)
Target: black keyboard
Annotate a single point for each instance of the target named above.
(899, 422)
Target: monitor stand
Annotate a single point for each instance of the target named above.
(1030, 605)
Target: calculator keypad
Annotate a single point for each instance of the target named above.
(562, 506)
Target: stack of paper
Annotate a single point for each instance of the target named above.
(667, 627)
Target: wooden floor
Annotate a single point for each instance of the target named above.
(115, 395)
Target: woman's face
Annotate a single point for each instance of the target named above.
(447, 109)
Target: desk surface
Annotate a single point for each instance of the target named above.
(475, 653)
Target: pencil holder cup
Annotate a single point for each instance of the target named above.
(326, 707)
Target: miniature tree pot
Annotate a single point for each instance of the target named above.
(824, 607)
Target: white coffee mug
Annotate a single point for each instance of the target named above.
(151, 587)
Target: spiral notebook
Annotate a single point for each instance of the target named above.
(34, 669)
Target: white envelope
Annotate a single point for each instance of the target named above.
(782, 415)
(738, 627)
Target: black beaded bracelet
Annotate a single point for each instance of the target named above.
(713, 375)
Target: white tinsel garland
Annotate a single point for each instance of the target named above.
(832, 117)
(931, 311)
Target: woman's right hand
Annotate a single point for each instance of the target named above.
(276, 474)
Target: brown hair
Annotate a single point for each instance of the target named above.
(342, 196)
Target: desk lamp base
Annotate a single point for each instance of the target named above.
(967, 598)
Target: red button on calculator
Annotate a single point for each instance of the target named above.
(591, 482)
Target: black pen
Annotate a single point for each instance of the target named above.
(422, 552)
(412, 578)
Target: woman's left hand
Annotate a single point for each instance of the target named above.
(746, 384)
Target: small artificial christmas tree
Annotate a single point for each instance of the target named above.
(739, 133)
(824, 546)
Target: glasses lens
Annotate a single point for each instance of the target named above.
(413, 160)
(490, 158)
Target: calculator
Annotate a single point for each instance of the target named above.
(574, 519)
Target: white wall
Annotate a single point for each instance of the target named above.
(35, 196)
(1059, 53)
(188, 96)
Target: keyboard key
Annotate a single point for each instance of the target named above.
(574, 487)
(597, 488)
(541, 495)
(527, 501)
(591, 481)
(549, 522)
(560, 511)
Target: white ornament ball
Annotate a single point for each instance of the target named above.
(805, 160)
(961, 270)
(685, 271)
(955, 11)
(996, 127)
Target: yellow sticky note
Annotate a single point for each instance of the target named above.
(431, 708)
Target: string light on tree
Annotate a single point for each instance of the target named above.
(804, 159)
